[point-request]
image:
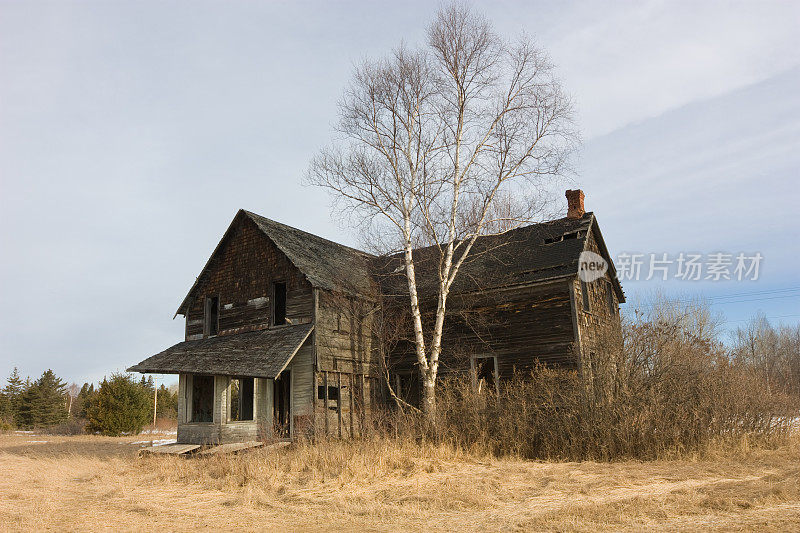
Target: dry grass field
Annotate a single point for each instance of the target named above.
(92, 482)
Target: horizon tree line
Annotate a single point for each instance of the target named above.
(118, 404)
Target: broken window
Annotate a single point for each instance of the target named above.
(333, 392)
(485, 373)
(585, 296)
(241, 399)
(211, 325)
(203, 399)
(278, 304)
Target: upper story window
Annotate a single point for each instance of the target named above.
(211, 317)
(278, 303)
(585, 296)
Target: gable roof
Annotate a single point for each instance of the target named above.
(326, 264)
(262, 354)
(539, 252)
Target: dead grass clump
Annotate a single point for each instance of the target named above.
(308, 464)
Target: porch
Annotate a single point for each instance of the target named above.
(244, 387)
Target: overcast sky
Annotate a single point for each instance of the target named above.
(132, 132)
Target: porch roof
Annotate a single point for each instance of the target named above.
(261, 354)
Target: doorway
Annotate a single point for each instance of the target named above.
(282, 404)
(485, 373)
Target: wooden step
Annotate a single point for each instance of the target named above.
(234, 447)
(231, 447)
(170, 449)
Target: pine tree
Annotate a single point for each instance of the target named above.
(43, 404)
(12, 393)
(147, 383)
(167, 403)
(25, 412)
(121, 405)
(84, 400)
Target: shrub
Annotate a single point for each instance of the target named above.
(120, 405)
(671, 388)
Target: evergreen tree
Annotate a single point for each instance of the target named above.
(147, 383)
(12, 393)
(121, 405)
(6, 414)
(43, 404)
(167, 403)
(84, 400)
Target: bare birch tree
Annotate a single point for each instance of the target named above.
(435, 143)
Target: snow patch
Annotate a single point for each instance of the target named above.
(158, 442)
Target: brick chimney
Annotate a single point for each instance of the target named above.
(575, 203)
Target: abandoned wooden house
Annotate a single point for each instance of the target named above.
(281, 340)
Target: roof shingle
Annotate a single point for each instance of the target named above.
(326, 264)
(262, 354)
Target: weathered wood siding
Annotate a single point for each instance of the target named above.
(346, 363)
(343, 333)
(302, 399)
(599, 328)
(241, 274)
(519, 325)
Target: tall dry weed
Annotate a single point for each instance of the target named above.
(670, 389)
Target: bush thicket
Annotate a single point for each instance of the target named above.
(120, 406)
(671, 388)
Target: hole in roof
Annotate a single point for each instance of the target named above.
(564, 237)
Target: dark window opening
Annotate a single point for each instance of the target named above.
(585, 296)
(242, 399)
(278, 304)
(486, 373)
(203, 399)
(212, 316)
(408, 388)
(333, 392)
(340, 323)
